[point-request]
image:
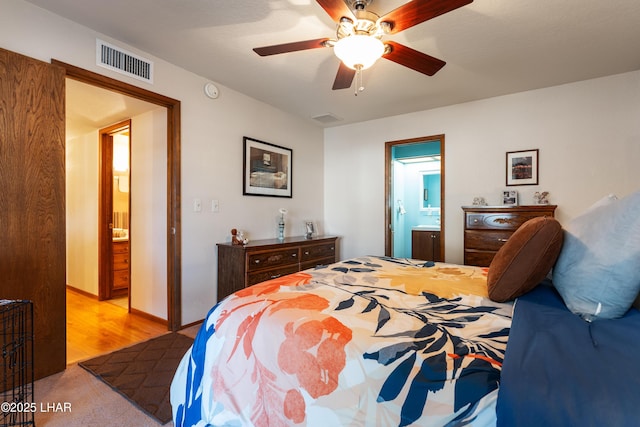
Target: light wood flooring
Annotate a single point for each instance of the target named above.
(97, 327)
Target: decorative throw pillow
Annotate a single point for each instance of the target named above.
(525, 259)
(598, 270)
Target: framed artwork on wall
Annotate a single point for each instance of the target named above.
(267, 169)
(522, 167)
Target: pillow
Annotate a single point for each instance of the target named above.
(598, 270)
(525, 259)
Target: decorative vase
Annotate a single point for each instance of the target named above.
(281, 229)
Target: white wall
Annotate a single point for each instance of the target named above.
(82, 179)
(588, 134)
(212, 132)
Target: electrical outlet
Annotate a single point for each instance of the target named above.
(197, 205)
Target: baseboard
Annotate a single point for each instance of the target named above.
(151, 317)
(82, 292)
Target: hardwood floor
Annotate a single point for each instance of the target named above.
(97, 327)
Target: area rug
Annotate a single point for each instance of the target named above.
(143, 372)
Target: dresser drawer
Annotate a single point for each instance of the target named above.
(316, 262)
(120, 247)
(498, 221)
(262, 276)
(489, 240)
(478, 258)
(318, 252)
(121, 261)
(273, 259)
(120, 279)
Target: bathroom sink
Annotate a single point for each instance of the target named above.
(426, 228)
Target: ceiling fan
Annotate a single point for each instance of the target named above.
(358, 42)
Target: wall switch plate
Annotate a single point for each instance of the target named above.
(197, 205)
(215, 206)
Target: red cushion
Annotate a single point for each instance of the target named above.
(525, 259)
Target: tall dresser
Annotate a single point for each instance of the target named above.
(487, 228)
(240, 266)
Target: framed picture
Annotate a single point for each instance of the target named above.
(522, 167)
(267, 169)
(310, 229)
(510, 197)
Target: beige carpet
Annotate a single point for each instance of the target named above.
(93, 403)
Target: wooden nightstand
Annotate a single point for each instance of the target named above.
(241, 266)
(487, 228)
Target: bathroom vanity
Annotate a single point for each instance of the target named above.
(426, 243)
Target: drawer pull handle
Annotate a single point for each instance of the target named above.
(257, 261)
(502, 240)
(475, 220)
(294, 255)
(306, 252)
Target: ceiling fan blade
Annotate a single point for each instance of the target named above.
(344, 77)
(290, 47)
(421, 62)
(417, 11)
(336, 9)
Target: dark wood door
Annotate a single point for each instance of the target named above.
(32, 199)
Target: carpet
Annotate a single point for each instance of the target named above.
(143, 372)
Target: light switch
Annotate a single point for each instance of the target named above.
(197, 205)
(215, 206)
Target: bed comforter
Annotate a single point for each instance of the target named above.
(367, 341)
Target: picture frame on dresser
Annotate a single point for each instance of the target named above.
(267, 169)
(522, 167)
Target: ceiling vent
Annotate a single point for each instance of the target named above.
(123, 62)
(326, 118)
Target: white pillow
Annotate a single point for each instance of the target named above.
(598, 270)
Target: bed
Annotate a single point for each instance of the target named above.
(545, 336)
(366, 341)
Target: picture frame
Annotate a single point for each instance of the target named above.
(267, 169)
(310, 229)
(510, 198)
(522, 167)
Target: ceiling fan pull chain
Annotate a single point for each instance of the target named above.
(359, 87)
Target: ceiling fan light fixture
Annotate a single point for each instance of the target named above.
(358, 51)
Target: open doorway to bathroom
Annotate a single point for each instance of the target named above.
(414, 194)
(114, 213)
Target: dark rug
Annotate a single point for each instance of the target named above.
(143, 372)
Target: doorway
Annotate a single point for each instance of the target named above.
(172, 228)
(114, 266)
(414, 195)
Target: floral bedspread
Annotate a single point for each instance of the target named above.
(370, 341)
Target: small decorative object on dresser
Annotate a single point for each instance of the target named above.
(510, 198)
(541, 198)
(240, 266)
(309, 229)
(487, 228)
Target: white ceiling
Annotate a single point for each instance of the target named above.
(492, 48)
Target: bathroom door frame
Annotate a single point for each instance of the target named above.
(105, 211)
(388, 189)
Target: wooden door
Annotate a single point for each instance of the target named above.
(32, 199)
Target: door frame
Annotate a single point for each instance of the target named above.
(174, 230)
(105, 210)
(388, 189)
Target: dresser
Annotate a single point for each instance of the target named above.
(120, 284)
(487, 228)
(240, 266)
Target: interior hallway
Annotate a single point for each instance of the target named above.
(97, 327)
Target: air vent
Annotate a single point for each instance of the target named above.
(123, 62)
(326, 118)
